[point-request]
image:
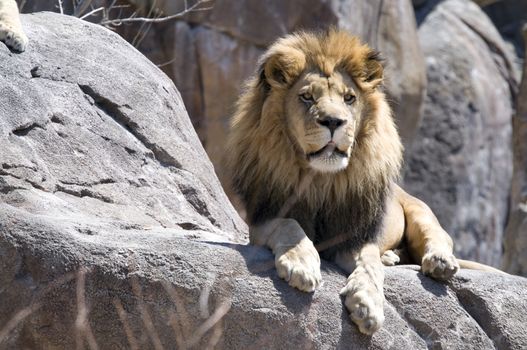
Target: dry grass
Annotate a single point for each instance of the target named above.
(179, 319)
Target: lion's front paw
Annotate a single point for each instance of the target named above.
(390, 258)
(300, 266)
(13, 38)
(364, 303)
(439, 265)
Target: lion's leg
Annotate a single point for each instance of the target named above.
(364, 288)
(10, 28)
(296, 259)
(392, 232)
(428, 243)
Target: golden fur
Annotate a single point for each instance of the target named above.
(259, 134)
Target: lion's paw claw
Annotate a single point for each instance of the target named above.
(300, 266)
(365, 305)
(438, 265)
(389, 258)
(366, 310)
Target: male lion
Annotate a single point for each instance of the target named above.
(10, 28)
(315, 156)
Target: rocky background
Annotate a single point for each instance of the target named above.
(116, 234)
(453, 71)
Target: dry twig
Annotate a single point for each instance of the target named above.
(193, 8)
(33, 307)
(82, 326)
(124, 320)
(145, 315)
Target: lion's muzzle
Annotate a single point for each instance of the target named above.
(328, 159)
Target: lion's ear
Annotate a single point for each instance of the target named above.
(281, 68)
(374, 69)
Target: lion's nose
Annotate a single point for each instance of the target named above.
(331, 123)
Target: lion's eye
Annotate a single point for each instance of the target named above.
(306, 97)
(349, 98)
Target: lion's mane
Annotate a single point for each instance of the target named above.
(337, 210)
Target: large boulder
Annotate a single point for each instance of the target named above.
(115, 232)
(461, 161)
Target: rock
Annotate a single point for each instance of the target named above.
(81, 143)
(179, 283)
(515, 243)
(461, 161)
(115, 233)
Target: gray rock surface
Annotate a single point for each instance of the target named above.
(114, 231)
(515, 240)
(461, 161)
(104, 148)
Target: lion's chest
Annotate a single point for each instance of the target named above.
(335, 228)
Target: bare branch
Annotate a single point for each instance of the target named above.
(91, 13)
(167, 62)
(141, 33)
(181, 320)
(178, 331)
(17, 318)
(216, 317)
(22, 314)
(194, 8)
(21, 5)
(81, 7)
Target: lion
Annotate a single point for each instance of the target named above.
(315, 156)
(11, 32)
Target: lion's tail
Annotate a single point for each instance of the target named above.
(472, 265)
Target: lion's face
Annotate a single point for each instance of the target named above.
(314, 110)
(323, 114)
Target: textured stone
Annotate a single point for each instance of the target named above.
(515, 242)
(180, 281)
(91, 145)
(461, 162)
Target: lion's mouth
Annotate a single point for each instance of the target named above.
(328, 151)
(329, 159)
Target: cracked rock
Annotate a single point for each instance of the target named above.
(101, 238)
(461, 161)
